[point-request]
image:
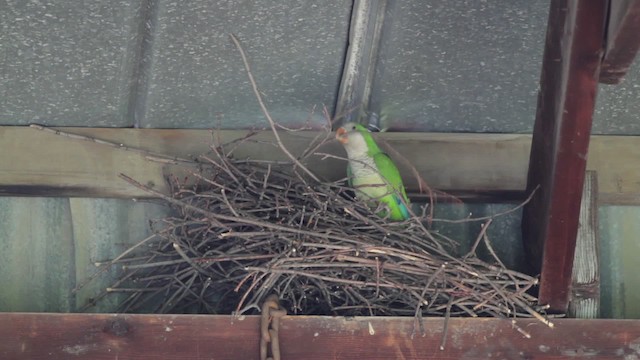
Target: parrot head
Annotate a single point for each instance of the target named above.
(354, 138)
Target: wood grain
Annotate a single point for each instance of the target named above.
(35, 163)
(561, 134)
(106, 336)
(585, 286)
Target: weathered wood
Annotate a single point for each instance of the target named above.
(106, 336)
(38, 163)
(568, 85)
(623, 40)
(585, 286)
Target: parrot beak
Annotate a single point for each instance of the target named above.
(341, 135)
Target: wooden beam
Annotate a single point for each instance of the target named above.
(585, 283)
(108, 336)
(623, 41)
(569, 80)
(36, 163)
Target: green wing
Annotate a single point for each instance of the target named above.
(389, 171)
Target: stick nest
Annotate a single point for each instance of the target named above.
(249, 229)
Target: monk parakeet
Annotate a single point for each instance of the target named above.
(371, 172)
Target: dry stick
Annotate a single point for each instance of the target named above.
(487, 243)
(105, 266)
(390, 276)
(422, 301)
(229, 218)
(470, 219)
(480, 236)
(151, 155)
(328, 136)
(445, 329)
(265, 111)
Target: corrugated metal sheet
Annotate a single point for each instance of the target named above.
(619, 265)
(468, 66)
(197, 79)
(37, 269)
(617, 106)
(49, 245)
(67, 63)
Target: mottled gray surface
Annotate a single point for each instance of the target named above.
(463, 66)
(618, 106)
(66, 62)
(197, 79)
(468, 66)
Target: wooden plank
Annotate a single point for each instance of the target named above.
(623, 41)
(566, 100)
(107, 336)
(38, 163)
(585, 283)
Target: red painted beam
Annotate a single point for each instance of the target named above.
(185, 337)
(623, 40)
(568, 84)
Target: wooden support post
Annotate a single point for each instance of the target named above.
(585, 287)
(568, 85)
(623, 40)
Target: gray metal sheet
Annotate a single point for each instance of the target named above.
(618, 106)
(66, 62)
(461, 66)
(196, 78)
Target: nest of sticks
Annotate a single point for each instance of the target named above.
(249, 229)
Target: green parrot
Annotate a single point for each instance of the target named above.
(371, 172)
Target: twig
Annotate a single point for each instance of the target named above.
(265, 111)
(151, 155)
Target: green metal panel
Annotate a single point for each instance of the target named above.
(619, 261)
(36, 255)
(102, 229)
(48, 243)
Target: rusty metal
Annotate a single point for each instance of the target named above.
(269, 328)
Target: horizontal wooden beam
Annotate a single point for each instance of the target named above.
(623, 41)
(38, 163)
(107, 336)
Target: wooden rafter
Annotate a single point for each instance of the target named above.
(568, 86)
(184, 337)
(623, 40)
(34, 162)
